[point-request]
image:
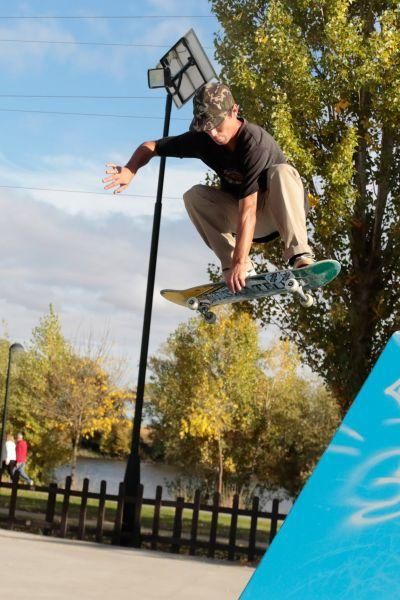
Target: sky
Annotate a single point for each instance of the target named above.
(87, 254)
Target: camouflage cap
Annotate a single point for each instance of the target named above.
(211, 105)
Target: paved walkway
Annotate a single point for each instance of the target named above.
(38, 567)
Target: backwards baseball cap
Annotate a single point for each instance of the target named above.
(211, 105)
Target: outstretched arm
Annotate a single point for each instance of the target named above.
(120, 177)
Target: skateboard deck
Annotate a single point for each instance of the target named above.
(294, 281)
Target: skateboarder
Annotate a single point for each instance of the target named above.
(261, 196)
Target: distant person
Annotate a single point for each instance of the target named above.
(10, 456)
(21, 457)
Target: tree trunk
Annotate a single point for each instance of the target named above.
(221, 466)
(75, 446)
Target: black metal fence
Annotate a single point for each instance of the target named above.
(177, 526)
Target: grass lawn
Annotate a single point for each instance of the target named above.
(35, 502)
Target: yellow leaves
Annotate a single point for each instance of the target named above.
(341, 106)
(261, 37)
(313, 200)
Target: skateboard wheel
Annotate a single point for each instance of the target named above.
(192, 303)
(210, 317)
(292, 285)
(307, 301)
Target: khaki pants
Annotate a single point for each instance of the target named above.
(282, 209)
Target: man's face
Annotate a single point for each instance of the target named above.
(224, 132)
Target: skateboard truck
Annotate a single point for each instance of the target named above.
(295, 288)
(203, 308)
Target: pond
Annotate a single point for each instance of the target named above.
(112, 471)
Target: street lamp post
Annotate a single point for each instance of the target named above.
(13, 349)
(183, 70)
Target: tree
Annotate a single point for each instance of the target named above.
(218, 401)
(203, 391)
(117, 441)
(61, 397)
(324, 78)
(301, 418)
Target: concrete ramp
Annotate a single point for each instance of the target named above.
(341, 540)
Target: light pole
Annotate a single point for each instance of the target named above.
(183, 70)
(12, 351)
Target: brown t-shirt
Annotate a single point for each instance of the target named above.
(242, 171)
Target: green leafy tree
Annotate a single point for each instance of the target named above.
(324, 78)
(61, 397)
(298, 424)
(203, 392)
(117, 441)
(218, 401)
(48, 448)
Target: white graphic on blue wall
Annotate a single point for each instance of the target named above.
(375, 484)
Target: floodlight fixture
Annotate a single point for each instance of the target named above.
(186, 68)
(156, 77)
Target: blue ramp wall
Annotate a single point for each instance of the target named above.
(341, 540)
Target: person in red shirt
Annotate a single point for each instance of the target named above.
(22, 455)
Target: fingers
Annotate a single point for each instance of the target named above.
(114, 180)
(114, 169)
(121, 188)
(235, 281)
(233, 284)
(111, 185)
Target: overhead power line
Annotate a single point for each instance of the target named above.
(76, 43)
(67, 191)
(79, 114)
(105, 17)
(83, 43)
(73, 97)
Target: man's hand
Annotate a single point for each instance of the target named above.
(235, 278)
(119, 176)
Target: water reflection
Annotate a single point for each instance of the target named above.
(112, 471)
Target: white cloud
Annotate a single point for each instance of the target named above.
(93, 270)
(16, 57)
(77, 173)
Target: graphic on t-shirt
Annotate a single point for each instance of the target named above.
(233, 177)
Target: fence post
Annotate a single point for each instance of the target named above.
(82, 511)
(233, 528)
(51, 508)
(195, 522)
(136, 538)
(177, 530)
(13, 501)
(274, 520)
(156, 518)
(253, 529)
(101, 511)
(214, 525)
(65, 507)
(116, 538)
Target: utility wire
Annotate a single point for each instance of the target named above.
(79, 114)
(73, 97)
(66, 191)
(75, 43)
(104, 17)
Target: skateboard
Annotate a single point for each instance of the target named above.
(290, 281)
